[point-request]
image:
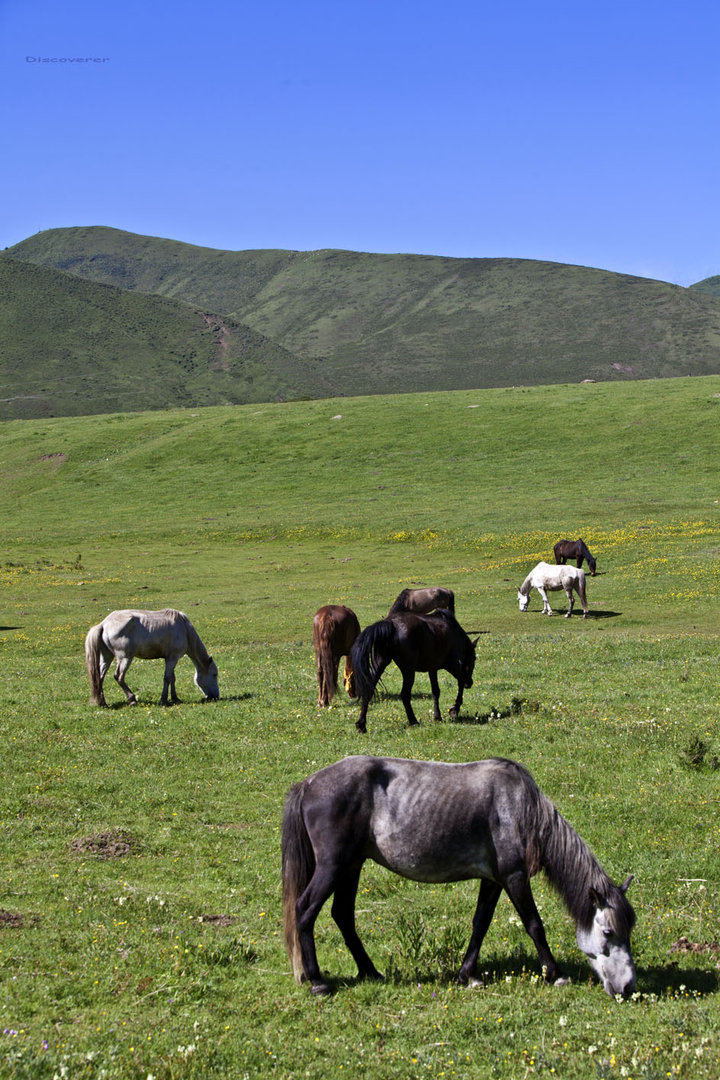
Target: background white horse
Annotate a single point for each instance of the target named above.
(149, 635)
(549, 578)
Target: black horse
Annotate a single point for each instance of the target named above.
(414, 643)
(574, 549)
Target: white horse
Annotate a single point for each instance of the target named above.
(547, 577)
(149, 635)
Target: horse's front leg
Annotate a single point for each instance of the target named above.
(169, 681)
(435, 688)
(455, 710)
(518, 889)
(405, 694)
(547, 610)
(487, 902)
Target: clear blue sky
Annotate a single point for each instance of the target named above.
(571, 132)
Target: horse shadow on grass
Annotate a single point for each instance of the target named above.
(116, 705)
(660, 980)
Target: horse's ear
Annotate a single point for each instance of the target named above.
(596, 898)
(626, 883)
(474, 642)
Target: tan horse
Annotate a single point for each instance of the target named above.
(423, 601)
(147, 635)
(335, 628)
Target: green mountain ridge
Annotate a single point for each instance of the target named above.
(70, 347)
(357, 323)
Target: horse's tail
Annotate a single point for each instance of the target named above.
(581, 590)
(327, 677)
(92, 662)
(298, 866)
(369, 656)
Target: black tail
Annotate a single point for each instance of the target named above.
(371, 655)
(298, 867)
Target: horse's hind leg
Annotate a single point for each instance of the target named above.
(122, 665)
(571, 601)
(487, 902)
(405, 696)
(518, 889)
(307, 910)
(343, 912)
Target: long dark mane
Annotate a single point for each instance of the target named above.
(570, 865)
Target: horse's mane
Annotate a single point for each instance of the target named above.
(571, 867)
(399, 603)
(196, 647)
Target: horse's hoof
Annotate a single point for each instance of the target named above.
(562, 981)
(361, 727)
(320, 989)
(453, 713)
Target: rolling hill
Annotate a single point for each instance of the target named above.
(70, 347)
(355, 323)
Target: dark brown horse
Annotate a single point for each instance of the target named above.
(574, 549)
(433, 821)
(335, 628)
(422, 601)
(415, 643)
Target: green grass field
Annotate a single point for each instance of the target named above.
(140, 921)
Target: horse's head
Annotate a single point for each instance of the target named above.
(606, 942)
(523, 600)
(467, 663)
(207, 681)
(592, 564)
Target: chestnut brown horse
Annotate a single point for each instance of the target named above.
(574, 549)
(335, 628)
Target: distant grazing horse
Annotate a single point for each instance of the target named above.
(574, 549)
(548, 578)
(335, 628)
(422, 601)
(435, 822)
(414, 643)
(147, 635)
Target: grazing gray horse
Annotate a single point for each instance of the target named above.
(147, 635)
(432, 821)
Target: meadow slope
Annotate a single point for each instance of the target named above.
(140, 918)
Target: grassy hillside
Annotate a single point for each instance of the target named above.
(69, 347)
(710, 285)
(380, 323)
(140, 918)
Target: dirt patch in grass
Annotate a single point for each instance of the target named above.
(12, 919)
(112, 844)
(218, 920)
(685, 946)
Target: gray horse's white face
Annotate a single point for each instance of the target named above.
(609, 954)
(207, 682)
(523, 601)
